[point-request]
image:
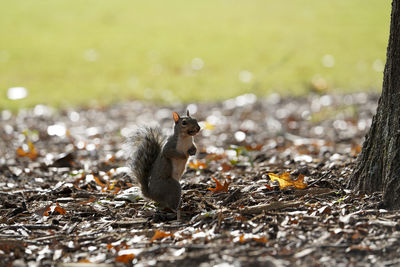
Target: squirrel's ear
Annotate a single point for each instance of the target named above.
(176, 116)
(187, 113)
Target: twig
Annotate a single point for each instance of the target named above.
(318, 180)
(276, 205)
(32, 226)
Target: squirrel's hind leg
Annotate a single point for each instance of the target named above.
(167, 193)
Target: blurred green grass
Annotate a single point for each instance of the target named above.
(98, 51)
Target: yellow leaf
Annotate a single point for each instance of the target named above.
(208, 126)
(285, 180)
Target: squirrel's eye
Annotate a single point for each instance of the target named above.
(184, 123)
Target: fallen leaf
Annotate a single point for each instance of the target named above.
(197, 165)
(254, 147)
(102, 185)
(60, 210)
(84, 261)
(355, 149)
(126, 258)
(116, 190)
(260, 239)
(92, 199)
(285, 180)
(31, 153)
(219, 187)
(240, 218)
(43, 211)
(269, 187)
(160, 234)
(226, 167)
(208, 126)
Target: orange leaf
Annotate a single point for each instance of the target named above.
(254, 147)
(99, 182)
(60, 210)
(21, 152)
(87, 201)
(160, 234)
(32, 153)
(242, 239)
(126, 258)
(269, 187)
(109, 246)
(116, 190)
(84, 261)
(355, 149)
(197, 165)
(240, 218)
(285, 180)
(219, 187)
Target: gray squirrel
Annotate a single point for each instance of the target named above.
(158, 162)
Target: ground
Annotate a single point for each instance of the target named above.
(67, 197)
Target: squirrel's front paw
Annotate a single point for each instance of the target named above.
(192, 151)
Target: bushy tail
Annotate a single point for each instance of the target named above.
(146, 144)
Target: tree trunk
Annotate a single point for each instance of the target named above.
(378, 165)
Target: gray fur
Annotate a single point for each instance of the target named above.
(146, 145)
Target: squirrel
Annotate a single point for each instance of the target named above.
(158, 162)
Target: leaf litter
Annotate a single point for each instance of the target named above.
(267, 187)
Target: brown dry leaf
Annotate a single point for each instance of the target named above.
(160, 234)
(226, 167)
(254, 147)
(215, 157)
(31, 153)
(219, 187)
(116, 190)
(260, 239)
(240, 218)
(285, 180)
(243, 239)
(126, 258)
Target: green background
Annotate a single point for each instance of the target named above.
(96, 51)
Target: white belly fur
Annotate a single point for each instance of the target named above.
(179, 165)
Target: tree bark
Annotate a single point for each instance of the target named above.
(378, 165)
